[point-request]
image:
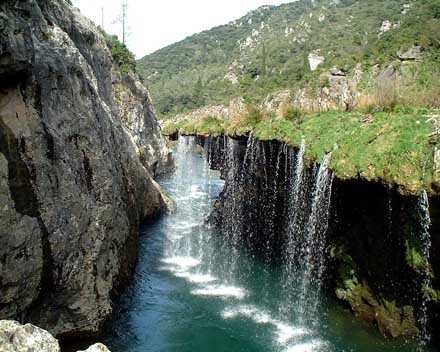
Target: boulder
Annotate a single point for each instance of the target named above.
(97, 347)
(412, 54)
(315, 60)
(25, 338)
(15, 337)
(337, 72)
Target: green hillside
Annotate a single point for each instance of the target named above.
(267, 50)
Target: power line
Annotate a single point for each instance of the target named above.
(124, 19)
(102, 18)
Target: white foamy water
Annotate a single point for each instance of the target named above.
(312, 346)
(183, 225)
(221, 291)
(196, 193)
(284, 331)
(182, 263)
(196, 278)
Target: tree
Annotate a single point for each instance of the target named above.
(199, 93)
(263, 60)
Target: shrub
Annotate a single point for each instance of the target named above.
(254, 115)
(386, 95)
(293, 114)
(383, 97)
(122, 57)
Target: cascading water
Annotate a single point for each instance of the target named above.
(233, 211)
(425, 239)
(296, 201)
(306, 229)
(314, 243)
(294, 183)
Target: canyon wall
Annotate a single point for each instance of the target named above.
(79, 144)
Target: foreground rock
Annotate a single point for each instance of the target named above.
(29, 338)
(73, 187)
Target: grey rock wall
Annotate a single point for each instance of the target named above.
(73, 189)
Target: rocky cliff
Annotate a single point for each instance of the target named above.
(78, 146)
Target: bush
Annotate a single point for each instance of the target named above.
(122, 57)
(293, 114)
(254, 115)
(386, 95)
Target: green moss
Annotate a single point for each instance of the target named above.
(293, 114)
(432, 294)
(394, 148)
(392, 320)
(416, 260)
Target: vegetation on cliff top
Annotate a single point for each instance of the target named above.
(267, 50)
(122, 57)
(396, 148)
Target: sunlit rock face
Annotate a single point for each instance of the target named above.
(74, 182)
(133, 104)
(315, 60)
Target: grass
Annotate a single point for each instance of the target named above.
(210, 126)
(394, 148)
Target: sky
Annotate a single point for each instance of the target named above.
(154, 24)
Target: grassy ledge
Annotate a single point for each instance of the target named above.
(393, 148)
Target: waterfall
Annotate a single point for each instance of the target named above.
(204, 248)
(308, 207)
(425, 239)
(233, 209)
(296, 190)
(294, 186)
(314, 243)
(203, 278)
(177, 243)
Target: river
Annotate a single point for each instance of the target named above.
(193, 292)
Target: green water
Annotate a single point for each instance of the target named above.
(193, 293)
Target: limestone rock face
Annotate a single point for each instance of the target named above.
(412, 54)
(73, 189)
(338, 91)
(133, 103)
(315, 60)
